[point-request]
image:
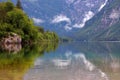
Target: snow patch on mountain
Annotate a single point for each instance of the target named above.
(115, 14)
(103, 5)
(87, 16)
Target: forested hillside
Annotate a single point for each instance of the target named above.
(14, 20)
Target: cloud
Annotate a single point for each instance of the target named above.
(37, 20)
(67, 27)
(60, 18)
(103, 5)
(87, 16)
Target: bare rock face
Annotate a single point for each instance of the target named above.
(12, 38)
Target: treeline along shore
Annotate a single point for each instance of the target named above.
(17, 27)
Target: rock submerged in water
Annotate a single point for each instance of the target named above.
(11, 48)
(12, 38)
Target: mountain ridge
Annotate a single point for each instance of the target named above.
(104, 26)
(64, 17)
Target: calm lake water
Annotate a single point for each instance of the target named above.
(66, 61)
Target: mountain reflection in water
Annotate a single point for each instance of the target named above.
(78, 61)
(68, 61)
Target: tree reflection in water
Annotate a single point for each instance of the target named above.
(14, 66)
(11, 48)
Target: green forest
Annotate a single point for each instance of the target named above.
(14, 20)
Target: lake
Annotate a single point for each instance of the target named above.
(63, 61)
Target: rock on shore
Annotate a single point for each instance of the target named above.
(11, 38)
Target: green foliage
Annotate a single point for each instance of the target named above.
(50, 36)
(13, 19)
(14, 65)
(9, 6)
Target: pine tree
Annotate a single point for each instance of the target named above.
(18, 5)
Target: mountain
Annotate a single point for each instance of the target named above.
(103, 26)
(64, 17)
(76, 19)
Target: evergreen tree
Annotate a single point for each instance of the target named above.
(18, 5)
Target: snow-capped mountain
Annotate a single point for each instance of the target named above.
(62, 16)
(104, 26)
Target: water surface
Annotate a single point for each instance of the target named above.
(68, 61)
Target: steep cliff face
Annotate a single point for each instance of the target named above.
(105, 25)
(62, 16)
